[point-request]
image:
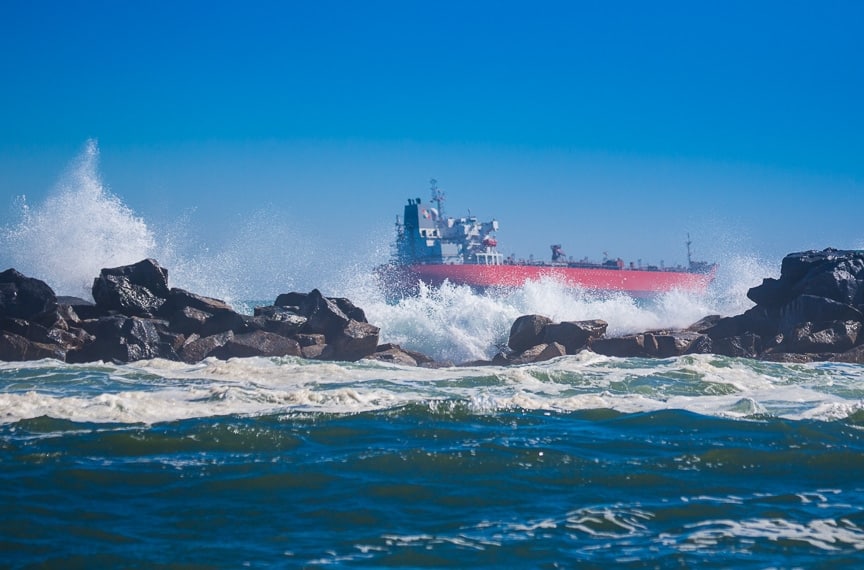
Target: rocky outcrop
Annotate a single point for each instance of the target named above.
(137, 316)
(535, 338)
(814, 311)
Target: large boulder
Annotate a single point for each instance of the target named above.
(323, 315)
(257, 343)
(574, 335)
(118, 339)
(836, 336)
(810, 308)
(395, 354)
(24, 297)
(139, 289)
(355, 341)
(830, 273)
(16, 348)
(527, 331)
(539, 353)
(189, 314)
(198, 348)
(279, 320)
(677, 343)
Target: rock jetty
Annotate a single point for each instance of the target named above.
(137, 316)
(813, 312)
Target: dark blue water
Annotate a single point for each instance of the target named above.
(440, 486)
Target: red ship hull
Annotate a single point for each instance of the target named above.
(634, 282)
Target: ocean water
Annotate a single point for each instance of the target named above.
(583, 461)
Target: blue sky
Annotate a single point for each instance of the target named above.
(604, 126)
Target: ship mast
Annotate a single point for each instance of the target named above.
(689, 260)
(437, 196)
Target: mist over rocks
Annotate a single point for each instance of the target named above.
(813, 312)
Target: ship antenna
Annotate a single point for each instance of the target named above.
(437, 196)
(689, 259)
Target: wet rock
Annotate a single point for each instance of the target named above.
(350, 310)
(830, 273)
(677, 343)
(16, 348)
(291, 300)
(574, 335)
(625, 346)
(188, 320)
(198, 348)
(118, 339)
(133, 290)
(539, 353)
(704, 324)
(280, 320)
(810, 308)
(353, 342)
(853, 356)
(311, 345)
(189, 313)
(394, 353)
(837, 336)
(257, 343)
(748, 345)
(24, 297)
(323, 316)
(527, 331)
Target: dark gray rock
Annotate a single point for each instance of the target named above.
(118, 339)
(257, 343)
(539, 353)
(351, 310)
(355, 341)
(280, 320)
(292, 299)
(527, 331)
(133, 290)
(198, 348)
(831, 273)
(323, 316)
(179, 298)
(392, 354)
(748, 345)
(853, 356)
(625, 346)
(16, 348)
(837, 336)
(188, 320)
(24, 297)
(574, 335)
(677, 343)
(810, 308)
(704, 324)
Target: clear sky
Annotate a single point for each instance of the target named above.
(603, 126)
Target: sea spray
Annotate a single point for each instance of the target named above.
(76, 231)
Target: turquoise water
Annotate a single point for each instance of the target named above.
(584, 461)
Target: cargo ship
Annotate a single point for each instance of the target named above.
(433, 248)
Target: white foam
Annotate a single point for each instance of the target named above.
(159, 390)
